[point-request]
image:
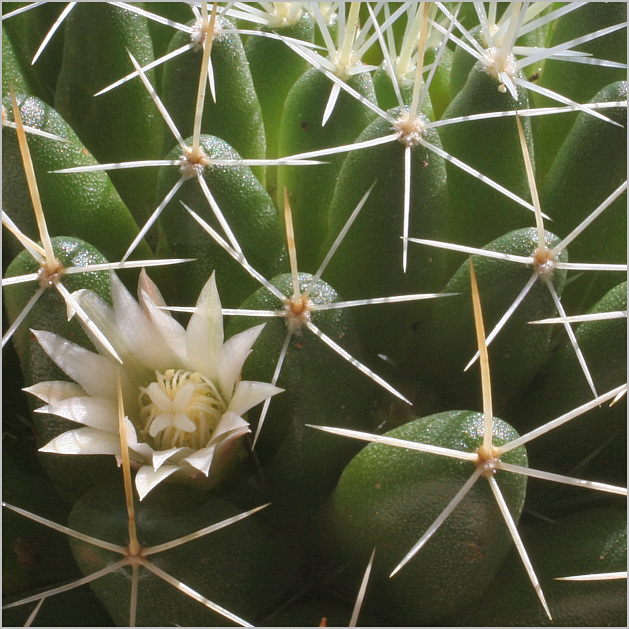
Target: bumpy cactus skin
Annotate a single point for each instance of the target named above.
(319, 167)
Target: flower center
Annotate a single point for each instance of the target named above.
(179, 409)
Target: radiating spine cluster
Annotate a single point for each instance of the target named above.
(380, 183)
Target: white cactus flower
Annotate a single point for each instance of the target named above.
(183, 397)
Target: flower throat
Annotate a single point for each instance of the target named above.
(180, 409)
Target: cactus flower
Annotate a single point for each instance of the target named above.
(183, 397)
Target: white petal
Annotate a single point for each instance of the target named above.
(148, 286)
(173, 333)
(230, 426)
(161, 456)
(152, 301)
(139, 334)
(204, 335)
(89, 411)
(235, 352)
(102, 314)
(147, 478)
(201, 459)
(248, 393)
(95, 373)
(84, 441)
(55, 390)
(143, 451)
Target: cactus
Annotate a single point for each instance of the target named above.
(375, 372)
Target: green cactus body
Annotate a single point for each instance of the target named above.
(249, 211)
(578, 81)
(585, 542)
(318, 609)
(240, 585)
(25, 33)
(387, 497)
(71, 475)
(162, 34)
(310, 190)
(274, 69)
(234, 395)
(236, 116)
(121, 125)
(439, 86)
(368, 263)
(300, 462)
(577, 184)
(450, 331)
(479, 213)
(12, 73)
(387, 98)
(31, 554)
(562, 385)
(75, 203)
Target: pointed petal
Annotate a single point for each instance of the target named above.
(89, 411)
(152, 301)
(139, 334)
(214, 461)
(201, 459)
(247, 394)
(173, 333)
(147, 478)
(94, 373)
(103, 317)
(230, 427)
(84, 441)
(102, 314)
(143, 451)
(235, 352)
(204, 335)
(55, 390)
(160, 457)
